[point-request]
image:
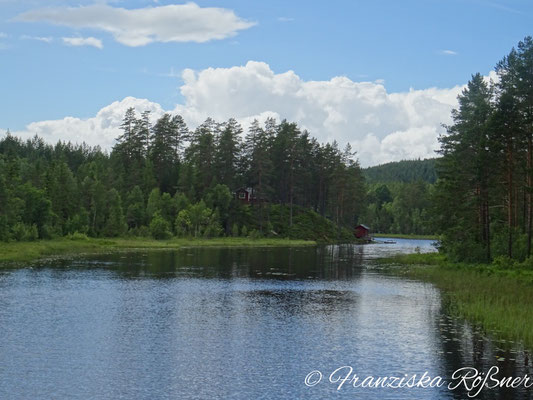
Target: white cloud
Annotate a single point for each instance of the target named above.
(138, 27)
(45, 39)
(80, 41)
(381, 126)
(3, 35)
(448, 53)
(100, 130)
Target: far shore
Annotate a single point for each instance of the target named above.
(17, 254)
(404, 236)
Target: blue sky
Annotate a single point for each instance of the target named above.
(77, 68)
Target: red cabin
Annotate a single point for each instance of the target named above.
(246, 195)
(243, 195)
(362, 232)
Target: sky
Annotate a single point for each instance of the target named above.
(382, 75)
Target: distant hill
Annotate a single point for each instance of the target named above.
(402, 171)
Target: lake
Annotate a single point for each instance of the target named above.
(235, 323)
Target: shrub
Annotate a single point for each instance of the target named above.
(235, 230)
(159, 227)
(198, 220)
(22, 232)
(213, 229)
(140, 231)
(78, 236)
(503, 262)
(32, 233)
(527, 263)
(50, 232)
(254, 234)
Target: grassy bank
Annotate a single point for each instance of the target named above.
(402, 236)
(498, 297)
(19, 252)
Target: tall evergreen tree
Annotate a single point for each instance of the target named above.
(466, 172)
(228, 153)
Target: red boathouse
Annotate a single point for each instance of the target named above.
(362, 232)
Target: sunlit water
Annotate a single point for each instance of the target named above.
(233, 324)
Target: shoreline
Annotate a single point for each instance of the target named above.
(405, 236)
(499, 299)
(17, 254)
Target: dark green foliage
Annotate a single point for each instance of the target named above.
(198, 220)
(159, 227)
(482, 203)
(400, 208)
(37, 207)
(307, 224)
(200, 157)
(168, 136)
(136, 209)
(115, 223)
(219, 199)
(151, 184)
(23, 232)
(228, 153)
(78, 223)
(154, 203)
(402, 171)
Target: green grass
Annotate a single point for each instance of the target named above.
(404, 236)
(15, 253)
(499, 299)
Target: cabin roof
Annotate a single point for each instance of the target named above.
(363, 226)
(244, 189)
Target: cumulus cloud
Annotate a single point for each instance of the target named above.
(139, 27)
(381, 126)
(100, 130)
(81, 41)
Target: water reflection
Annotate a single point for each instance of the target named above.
(231, 323)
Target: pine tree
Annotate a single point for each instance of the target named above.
(228, 153)
(258, 165)
(164, 152)
(524, 89)
(200, 155)
(465, 173)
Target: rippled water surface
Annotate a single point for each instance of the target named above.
(217, 323)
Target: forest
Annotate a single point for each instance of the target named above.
(482, 202)
(402, 171)
(399, 196)
(164, 180)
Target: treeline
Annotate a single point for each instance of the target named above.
(399, 196)
(483, 198)
(399, 207)
(405, 171)
(165, 179)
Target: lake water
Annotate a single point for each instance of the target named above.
(218, 323)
